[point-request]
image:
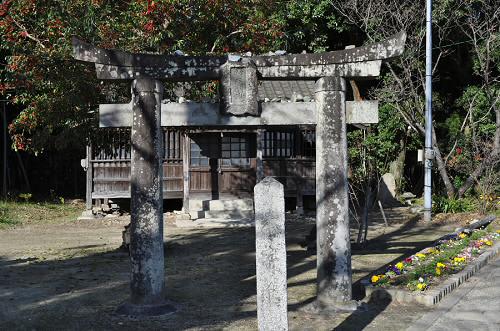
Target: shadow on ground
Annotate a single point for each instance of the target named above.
(210, 274)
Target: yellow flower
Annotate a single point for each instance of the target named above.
(459, 259)
(420, 255)
(462, 235)
(421, 286)
(400, 265)
(440, 265)
(488, 242)
(375, 279)
(438, 271)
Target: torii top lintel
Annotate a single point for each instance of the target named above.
(361, 61)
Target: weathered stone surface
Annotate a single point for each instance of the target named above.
(146, 230)
(386, 49)
(239, 88)
(86, 52)
(357, 69)
(362, 61)
(270, 255)
(117, 72)
(208, 114)
(334, 280)
(387, 191)
(362, 112)
(115, 64)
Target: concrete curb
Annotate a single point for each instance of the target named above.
(433, 296)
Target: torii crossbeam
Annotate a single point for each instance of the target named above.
(239, 77)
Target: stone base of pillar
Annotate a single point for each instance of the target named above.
(129, 309)
(87, 215)
(299, 210)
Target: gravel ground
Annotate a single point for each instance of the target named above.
(72, 275)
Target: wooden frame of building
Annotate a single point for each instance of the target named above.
(221, 163)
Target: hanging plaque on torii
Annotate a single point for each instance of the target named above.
(239, 77)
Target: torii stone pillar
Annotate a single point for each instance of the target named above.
(334, 275)
(146, 227)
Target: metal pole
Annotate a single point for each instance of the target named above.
(429, 153)
(4, 183)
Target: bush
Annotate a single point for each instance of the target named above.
(441, 204)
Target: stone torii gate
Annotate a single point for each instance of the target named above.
(239, 106)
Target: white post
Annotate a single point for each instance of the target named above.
(429, 152)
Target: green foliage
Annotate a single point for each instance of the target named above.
(309, 25)
(25, 196)
(6, 218)
(16, 213)
(59, 96)
(382, 144)
(442, 204)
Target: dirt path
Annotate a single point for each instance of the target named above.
(72, 276)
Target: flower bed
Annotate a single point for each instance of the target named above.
(448, 256)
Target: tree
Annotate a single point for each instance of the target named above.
(456, 22)
(60, 96)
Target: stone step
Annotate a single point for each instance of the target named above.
(196, 205)
(237, 204)
(205, 205)
(228, 214)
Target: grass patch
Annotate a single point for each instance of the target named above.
(6, 218)
(24, 213)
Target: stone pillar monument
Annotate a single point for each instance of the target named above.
(270, 255)
(146, 228)
(334, 275)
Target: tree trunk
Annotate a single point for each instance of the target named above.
(450, 189)
(495, 153)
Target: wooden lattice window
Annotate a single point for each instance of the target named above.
(173, 146)
(308, 143)
(203, 148)
(235, 150)
(279, 144)
(111, 144)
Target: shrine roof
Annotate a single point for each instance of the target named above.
(286, 90)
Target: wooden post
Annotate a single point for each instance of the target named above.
(186, 147)
(299, 184)
(89, 172)
(260, 162)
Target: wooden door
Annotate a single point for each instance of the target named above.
(204, 156)
(222, 163)
(237, 174)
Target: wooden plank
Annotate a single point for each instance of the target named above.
(260, 146)
(185, 171)
(88, 181)
(126, 194)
